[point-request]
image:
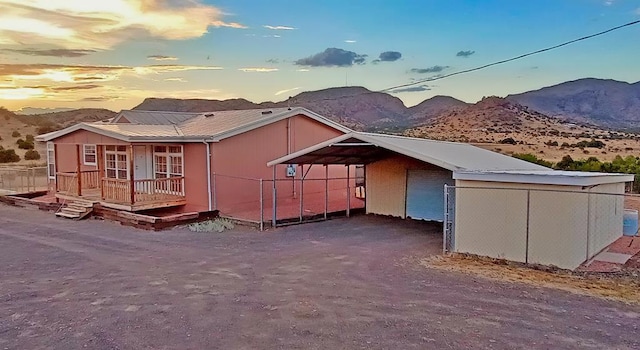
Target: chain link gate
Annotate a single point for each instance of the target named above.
(448, 227)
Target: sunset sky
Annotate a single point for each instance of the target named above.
(114, 53)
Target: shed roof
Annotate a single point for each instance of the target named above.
(546, 177)
(364, 148)
(159, 126)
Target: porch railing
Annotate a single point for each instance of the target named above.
(73, 183)
(143, 191)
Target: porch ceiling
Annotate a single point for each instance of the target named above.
(349, 151)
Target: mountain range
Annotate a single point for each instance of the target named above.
(604, 103)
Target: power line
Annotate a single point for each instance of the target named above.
(440, 77)
(513, 58)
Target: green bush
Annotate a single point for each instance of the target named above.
(8, 156)
(32, 154)
(217, 225)
(15, 133)
(532, 158)
(22, 144)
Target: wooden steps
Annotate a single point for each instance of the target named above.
(76, 209)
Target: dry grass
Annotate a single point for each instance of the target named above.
(7, 127)
(624, 288)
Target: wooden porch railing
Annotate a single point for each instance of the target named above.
(143, 191)
(73, 183)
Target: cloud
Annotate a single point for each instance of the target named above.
(388, 56)
(179, 80)
(162, 58)
(465, 54)
(418, 88)
(100, 25)
(286, 90)
(75, 87)
(434, 69)
(20, 74)
(303, 70)
(273, 61)
(332, 57)
(271, 36)
(52, 52)
(258, 70)
(350, 41)
(278, 27)
(608, 2)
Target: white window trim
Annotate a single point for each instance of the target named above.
(84, 154)
(116, 153)
(51, 161)
(168, 155)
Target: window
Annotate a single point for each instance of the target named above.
(116, 162)
(167, 161)
(51, 160)
(90, 154)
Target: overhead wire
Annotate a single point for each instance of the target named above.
(465, 71)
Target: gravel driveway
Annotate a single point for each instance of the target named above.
(342, 284)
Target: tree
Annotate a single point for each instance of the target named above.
(15, 133)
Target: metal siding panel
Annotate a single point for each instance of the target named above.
(425, 194)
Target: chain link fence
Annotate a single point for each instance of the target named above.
(535, 226)
(284, 200)
(15, 179)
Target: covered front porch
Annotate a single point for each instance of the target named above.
(132, 177)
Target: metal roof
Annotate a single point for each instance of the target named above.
(548, 177)
(364, 148)
(153, 117)
(212, 126)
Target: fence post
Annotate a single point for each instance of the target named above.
(588, 221)
(326, 190)
(446, 219)
(215, 194)
(274, 200)
(261, 207)
(526, 253)
(301, 190)
(348, 191)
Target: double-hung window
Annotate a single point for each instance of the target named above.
(51, 160)
(90, 154)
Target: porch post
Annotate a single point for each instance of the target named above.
(78, 171)
(100, 160)
(55, 167)
(130, 173)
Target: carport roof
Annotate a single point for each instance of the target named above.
(364, 148)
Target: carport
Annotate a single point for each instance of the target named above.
(404, 177)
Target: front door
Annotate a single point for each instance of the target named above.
(140, 163)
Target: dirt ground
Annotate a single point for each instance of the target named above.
(344, 284)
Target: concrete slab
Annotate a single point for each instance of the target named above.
(616, 258)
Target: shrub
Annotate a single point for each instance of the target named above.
(9, 156)
(22, 144)
(15, 133)
(509, 141)
(551, 143)
(532, 158)
(29, 138)
(32, 154)
(216, 225)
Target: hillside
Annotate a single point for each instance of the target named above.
(35, 124)
(607, 103)
(356, 107)
(504, 126)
